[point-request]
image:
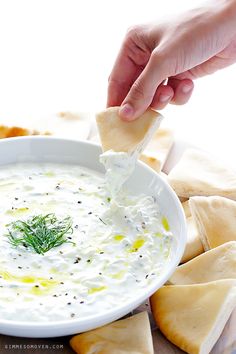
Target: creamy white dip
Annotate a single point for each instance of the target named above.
(119, 167)
(116, 249)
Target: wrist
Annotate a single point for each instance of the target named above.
(227, 14)
(222, 18)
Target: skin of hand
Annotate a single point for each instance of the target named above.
(157, 64)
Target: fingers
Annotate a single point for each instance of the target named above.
(182, 90)
(144, 94)
(117, 90)
(143, 90)
(175, 92)
(162, 97)
(136, 81)
(131, 60)
(119, 84)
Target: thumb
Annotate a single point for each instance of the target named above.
(142, 91)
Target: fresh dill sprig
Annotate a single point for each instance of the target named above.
(40, 233)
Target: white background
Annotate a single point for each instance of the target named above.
(56, 55)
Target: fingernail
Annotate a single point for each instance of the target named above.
(126, 111)
(186, 88)
(164, 98)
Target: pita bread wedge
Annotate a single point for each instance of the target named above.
(157, 150)
(199, 173)
(129, 336)
(63, 124)
(194, 245)
(9, 132)
(193, 316)
(215, 218)
(218, 263)
(118, 135)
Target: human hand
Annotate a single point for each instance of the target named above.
(158, 63)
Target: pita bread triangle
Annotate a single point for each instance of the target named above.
(118, 135)
(193, 316)
(215, 218)
(218, 263)
(199, 173)
(157, 150)
(193, 245)
(63, 124)
(131, 335)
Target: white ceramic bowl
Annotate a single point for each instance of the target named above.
(143, 180)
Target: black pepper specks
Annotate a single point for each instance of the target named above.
(102, 221)
(77, 260)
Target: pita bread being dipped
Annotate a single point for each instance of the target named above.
(199, 173)
(129, 336)
(194, 245)
(193, 316)
(118, 135)
(215, 218)
(218, 263)
(157, 150)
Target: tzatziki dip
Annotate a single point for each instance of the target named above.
(69, 248)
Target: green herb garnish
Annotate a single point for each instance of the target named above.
(40, 233)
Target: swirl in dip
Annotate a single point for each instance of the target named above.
(112, 249)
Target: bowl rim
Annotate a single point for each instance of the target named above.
(144, 294)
